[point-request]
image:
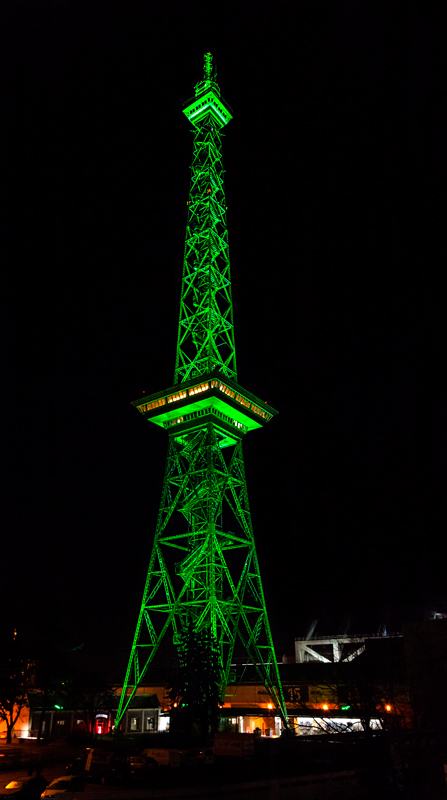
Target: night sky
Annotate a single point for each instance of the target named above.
(335, 178)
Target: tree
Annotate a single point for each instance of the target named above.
(52, 674)
(196, 685)
(90, 695)
(16, 679)
(372, 688)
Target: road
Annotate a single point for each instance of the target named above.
(205, 784)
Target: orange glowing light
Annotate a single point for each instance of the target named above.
(325, 706)
(388, 708)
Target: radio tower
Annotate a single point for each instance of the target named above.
(203, 571)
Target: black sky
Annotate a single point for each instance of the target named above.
(336, 175)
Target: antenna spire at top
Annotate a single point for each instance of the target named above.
(207, 66)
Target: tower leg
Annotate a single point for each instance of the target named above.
(204, 569)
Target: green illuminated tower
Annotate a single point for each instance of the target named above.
(203, 569)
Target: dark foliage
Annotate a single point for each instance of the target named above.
(90, 694)
(53, 671)
(16, 678)
(195, 685)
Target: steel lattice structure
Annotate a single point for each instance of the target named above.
(206, 332)
(203, 568)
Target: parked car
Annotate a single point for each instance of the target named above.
(77, 764)
(194, 757)
(12, 759)
(191, 758)
(142, 765)
(208, 756)
(106, 766)
(164, 756)
(67, 783)
(25, 788)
